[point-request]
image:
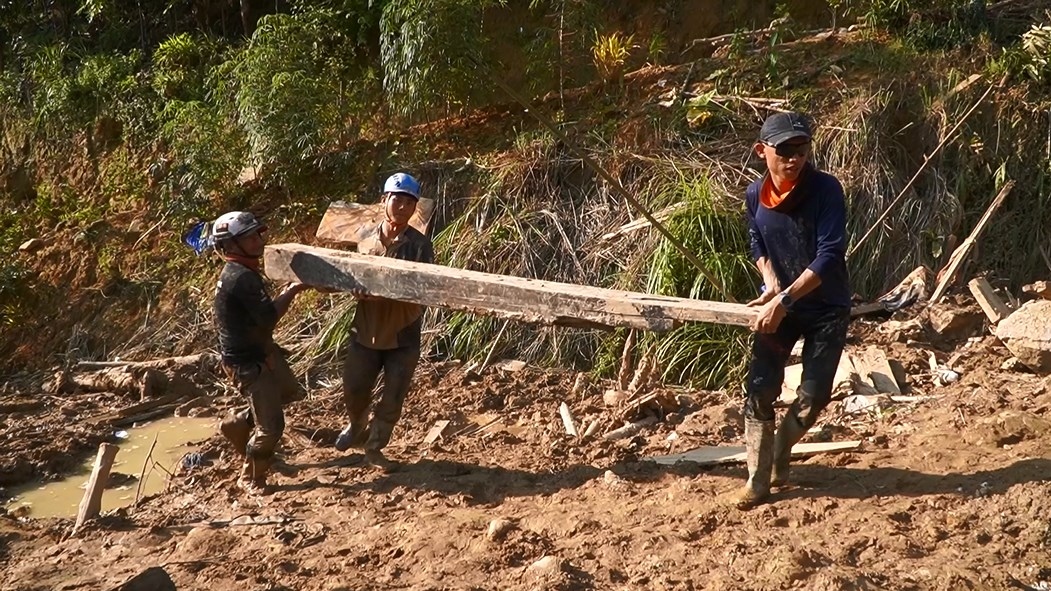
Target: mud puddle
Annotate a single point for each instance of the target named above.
(60, 498)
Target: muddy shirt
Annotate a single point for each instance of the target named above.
(807, 230)
(389, 324)
(244, 315)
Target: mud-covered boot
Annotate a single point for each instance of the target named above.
(253, 475)
(355, 434)
(759, 443)
(237, 430)
(788, 434)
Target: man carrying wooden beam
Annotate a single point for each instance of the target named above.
(797, 225)
(386, 333)
(245, 317)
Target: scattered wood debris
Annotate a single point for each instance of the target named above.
(995, 309)
(732, 454)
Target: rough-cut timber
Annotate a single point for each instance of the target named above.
(349, 223)
(527, 300)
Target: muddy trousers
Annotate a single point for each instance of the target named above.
(824, 335)
(267, 387)
(361, 369)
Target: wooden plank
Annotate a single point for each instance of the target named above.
(517, 298)
(349, 223)
(91, 504)
(959, 256)
(436, 432)
(731, 454)
(567, 419)
(995, 309)
(872, 364)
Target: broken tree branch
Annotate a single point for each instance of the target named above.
(926, 160)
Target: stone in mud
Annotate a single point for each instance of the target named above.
(498, 529)
(154, 578)
(545, 567)
(33, 244)
(954, 322)
(1027, 335)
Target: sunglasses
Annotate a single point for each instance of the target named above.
(790, 150)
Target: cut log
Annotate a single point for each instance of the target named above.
(629, 429)
(518, 298)
(995, 309)
(959, 256)
(350, 223)
(160, 364)
(91, 504)
(567, 419)
(732, 454)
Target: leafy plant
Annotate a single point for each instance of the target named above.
(423, 50)
(610, 53)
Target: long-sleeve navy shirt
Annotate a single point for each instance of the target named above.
(805, 231)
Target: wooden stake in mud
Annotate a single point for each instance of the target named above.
(91, 504)
(613, 183)
(959, 256)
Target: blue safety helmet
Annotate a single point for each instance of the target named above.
(400, 182)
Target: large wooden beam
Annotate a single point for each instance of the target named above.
(528, 300)
(349, 223)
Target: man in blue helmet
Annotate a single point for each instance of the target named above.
(386, 332)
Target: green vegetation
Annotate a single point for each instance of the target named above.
(120, 126)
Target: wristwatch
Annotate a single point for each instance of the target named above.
(786, 300)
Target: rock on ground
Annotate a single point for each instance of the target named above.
(1027, 334)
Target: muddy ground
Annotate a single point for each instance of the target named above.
(944, 493)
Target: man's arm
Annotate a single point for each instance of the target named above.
(284, 299)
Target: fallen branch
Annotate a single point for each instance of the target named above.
(926, 160)
(142, 472)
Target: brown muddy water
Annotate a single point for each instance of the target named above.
(175, 438)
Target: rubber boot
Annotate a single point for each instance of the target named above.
(355, 434)
(759, 443)
(788, 434)
(237, 430)
(253, 474)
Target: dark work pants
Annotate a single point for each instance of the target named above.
(824, 335)
(360, 371)
(267, 387)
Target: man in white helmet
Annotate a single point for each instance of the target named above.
(245, 317)
(386, 332)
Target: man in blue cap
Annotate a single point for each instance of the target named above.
(797, 226)
(386, 332)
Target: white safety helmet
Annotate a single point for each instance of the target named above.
(400, 182)
(234, 224)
